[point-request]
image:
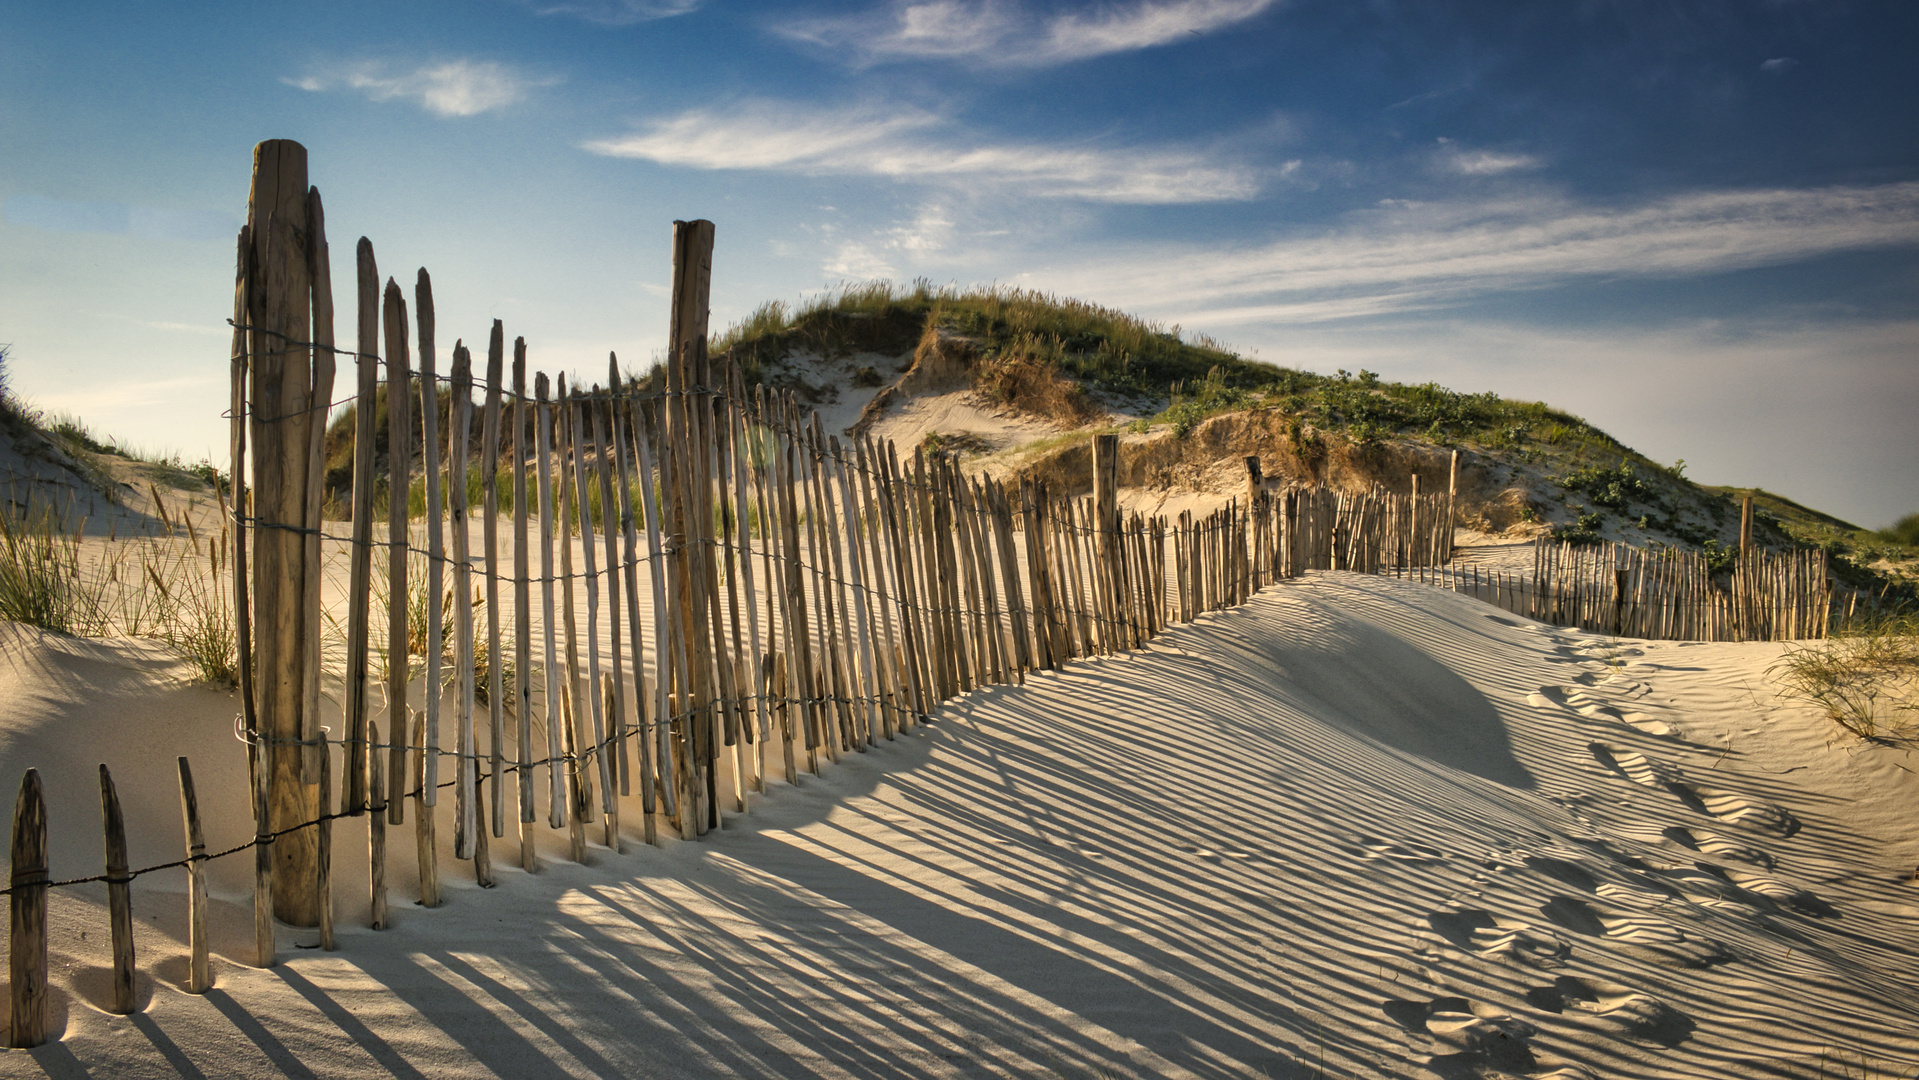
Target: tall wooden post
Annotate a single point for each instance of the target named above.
(1412, 528)
(360, 587)
(399, 484)
(119, 893)
(27, 952)
(686, 350)
(1452, 511)
(281, 412)
(1106, 521)
(199, 978)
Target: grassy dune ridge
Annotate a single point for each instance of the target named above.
(1165, 378)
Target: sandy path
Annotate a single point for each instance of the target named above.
(1359, 826)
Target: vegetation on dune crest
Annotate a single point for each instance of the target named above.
(1103, 348)
(1131, 360)
(1074, 359)
(1904, 532)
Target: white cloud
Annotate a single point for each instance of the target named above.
(1410, 256)
(1457, 159)
(445, 88)
(1143, 25)
(1001, 33)
(856, 260)
(1778, 65)
(616, 12)
(918, 146)
(930, 231)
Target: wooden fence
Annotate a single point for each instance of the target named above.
(703, 587)
(699, 590)
(1664, 593)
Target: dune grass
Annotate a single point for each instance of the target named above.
(170, 585)
(41, 581)
(1865, 677)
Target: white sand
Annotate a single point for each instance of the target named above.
(1359, 826)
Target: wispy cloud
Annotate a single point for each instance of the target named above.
(1411, 256)
(615, 12)
(1004, 33)
(1460, 160)
(856, 260)
(147, 222)
(919, 146)
(444, 88)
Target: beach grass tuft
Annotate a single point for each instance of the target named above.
(1866, 677)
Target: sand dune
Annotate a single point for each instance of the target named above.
(1359, 827)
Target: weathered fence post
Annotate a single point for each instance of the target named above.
(27, 956)
(425, 843)
(360, 587)
(279, 294)
(1112, 567)
(323, 866)
(376, 828)
(1452, 509)
(264, 940)
(119, 900)
(399, 483)
(198, 980)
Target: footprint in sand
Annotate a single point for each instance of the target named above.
(1714, 844)
(1562, 871)
(1483, 1040)
(1405, 851)
(1508, 939)
(1703, 884)
(1635, 896)
(1648, 723)
(1782, 893)
(1639, 930)
(1633, 766)
(1617, 1010)
(1577, 701)
(1725, 805)
(1731, 806)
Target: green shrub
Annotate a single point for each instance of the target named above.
(1719, 560)
(1583, 530)
(1610, 488)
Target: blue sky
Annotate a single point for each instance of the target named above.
(1695, 223)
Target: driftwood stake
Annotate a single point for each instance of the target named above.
(399, 466)
(375, 829)
(264, 946)
(27, 958)
(323, 867)
(119, 889)
(425, 844)
(199, 979)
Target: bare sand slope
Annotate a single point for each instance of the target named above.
(1358, 828)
